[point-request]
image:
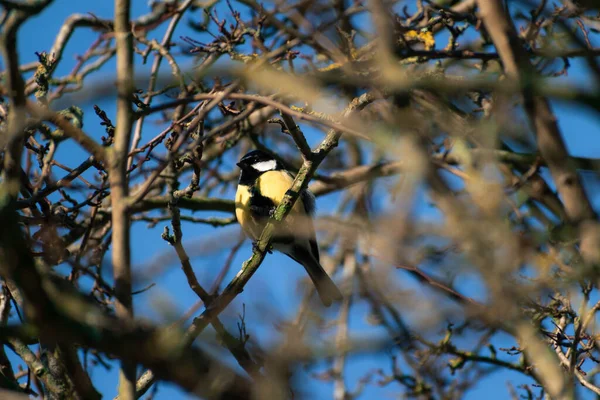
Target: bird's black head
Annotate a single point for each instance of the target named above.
(255, 163)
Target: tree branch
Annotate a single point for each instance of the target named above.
(550, 142)
(119, 185)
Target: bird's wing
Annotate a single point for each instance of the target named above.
(314, 247)
(308, 199)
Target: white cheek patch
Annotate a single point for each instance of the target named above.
(265, 165)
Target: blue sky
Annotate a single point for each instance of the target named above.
(274, 285)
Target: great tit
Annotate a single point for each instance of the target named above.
(262, 185)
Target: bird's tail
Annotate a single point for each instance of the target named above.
(326, 289)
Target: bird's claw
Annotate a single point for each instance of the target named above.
(255, 248)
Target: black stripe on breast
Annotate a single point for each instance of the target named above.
(260, 206)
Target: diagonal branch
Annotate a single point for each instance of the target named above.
(234, 345)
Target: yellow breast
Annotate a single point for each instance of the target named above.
(242, 212)
(272, 185)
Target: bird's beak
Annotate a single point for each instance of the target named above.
(240, 164)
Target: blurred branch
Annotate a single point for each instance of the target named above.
(119, 185)
(81, 380)
(66, 127)
(443, 288)
(12, 135)
(30, 7)
(163, 51)
(158, 349)
(552, 147)
(159, 12)
(12, 395)
(259, 99)
(580, 377)
(340, 391)
(191, 203)
(552, 377)
(461, 212)
(297, 135)
(341, 180)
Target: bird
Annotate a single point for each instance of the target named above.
(262, 184)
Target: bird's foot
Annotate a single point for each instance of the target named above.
(256, 249)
